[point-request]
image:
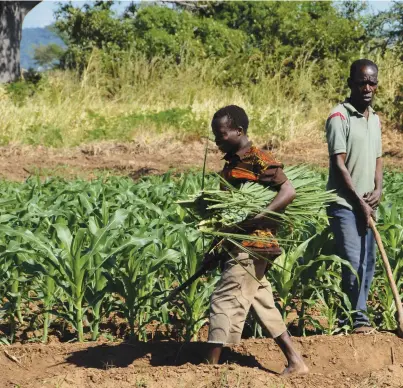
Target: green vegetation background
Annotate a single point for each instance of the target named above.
(166, 68)
(162, 71)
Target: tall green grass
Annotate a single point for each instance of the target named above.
(140, 99)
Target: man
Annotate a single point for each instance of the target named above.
(353, 132)
(243, 283)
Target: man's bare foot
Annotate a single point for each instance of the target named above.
(296, 368)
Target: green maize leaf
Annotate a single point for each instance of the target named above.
(7, 218)
(64, 235)
(78, 243)
(30, 237)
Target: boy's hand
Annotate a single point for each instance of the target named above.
(210, 261)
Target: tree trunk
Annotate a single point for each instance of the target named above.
(12, 14)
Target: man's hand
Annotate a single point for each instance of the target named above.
(373, 198)
(366, 211)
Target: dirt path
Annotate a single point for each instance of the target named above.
(142, 158)
(341, 361)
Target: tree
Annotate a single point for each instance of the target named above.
(392, 23)
(90, 27)
(48, 55)
(12, 14)
(286, 28)
(161, 31)
(152, 30)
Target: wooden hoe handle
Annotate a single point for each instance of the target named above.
(389, 274)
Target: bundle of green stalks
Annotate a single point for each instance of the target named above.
(218, 212)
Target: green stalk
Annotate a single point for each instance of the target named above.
(301, 319)
(142, 315)
(78, 301)
(48, 301)
(192, 294)
(97, 320)
(45, 327)
(131, 311)
(12, 327)
(192, 267)
(79, 320)
(131, 320)
(15, 290)
(100, 282)
(204, 163)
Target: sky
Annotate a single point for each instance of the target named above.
(42, 14)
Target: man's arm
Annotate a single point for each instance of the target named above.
(374, 197)
(338, 163)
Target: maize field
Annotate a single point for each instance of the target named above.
(77, 256)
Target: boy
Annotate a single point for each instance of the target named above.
(237, 290)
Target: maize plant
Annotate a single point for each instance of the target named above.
(136, 278)
(391, 228)
(79, 251)
(194, 302)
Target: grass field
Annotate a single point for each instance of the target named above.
(147, 99)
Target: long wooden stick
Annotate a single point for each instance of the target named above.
(201, 271)
(389, 274)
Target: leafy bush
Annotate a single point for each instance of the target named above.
(279, 31)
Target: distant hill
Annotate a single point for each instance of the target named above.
(32, 37)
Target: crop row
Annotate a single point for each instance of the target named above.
(74, 254)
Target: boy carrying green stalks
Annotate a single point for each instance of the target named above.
(243, 283)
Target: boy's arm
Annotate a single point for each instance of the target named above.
(285, 195)
(273, 176)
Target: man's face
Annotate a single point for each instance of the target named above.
(227, 139)
(363, 85)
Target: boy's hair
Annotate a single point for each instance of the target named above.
(237, 117)
(356, 65)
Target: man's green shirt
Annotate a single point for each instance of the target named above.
(349, 132)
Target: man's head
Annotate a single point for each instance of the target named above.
(230, 125)
(363, 82)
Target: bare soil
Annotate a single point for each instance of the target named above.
(135, 159)
(374, 360)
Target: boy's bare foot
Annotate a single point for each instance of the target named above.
(296, 364)
(296, 368)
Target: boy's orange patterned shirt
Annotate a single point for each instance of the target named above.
(251, 164)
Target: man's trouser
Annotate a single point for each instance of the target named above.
(235, 293)
(356, 244)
